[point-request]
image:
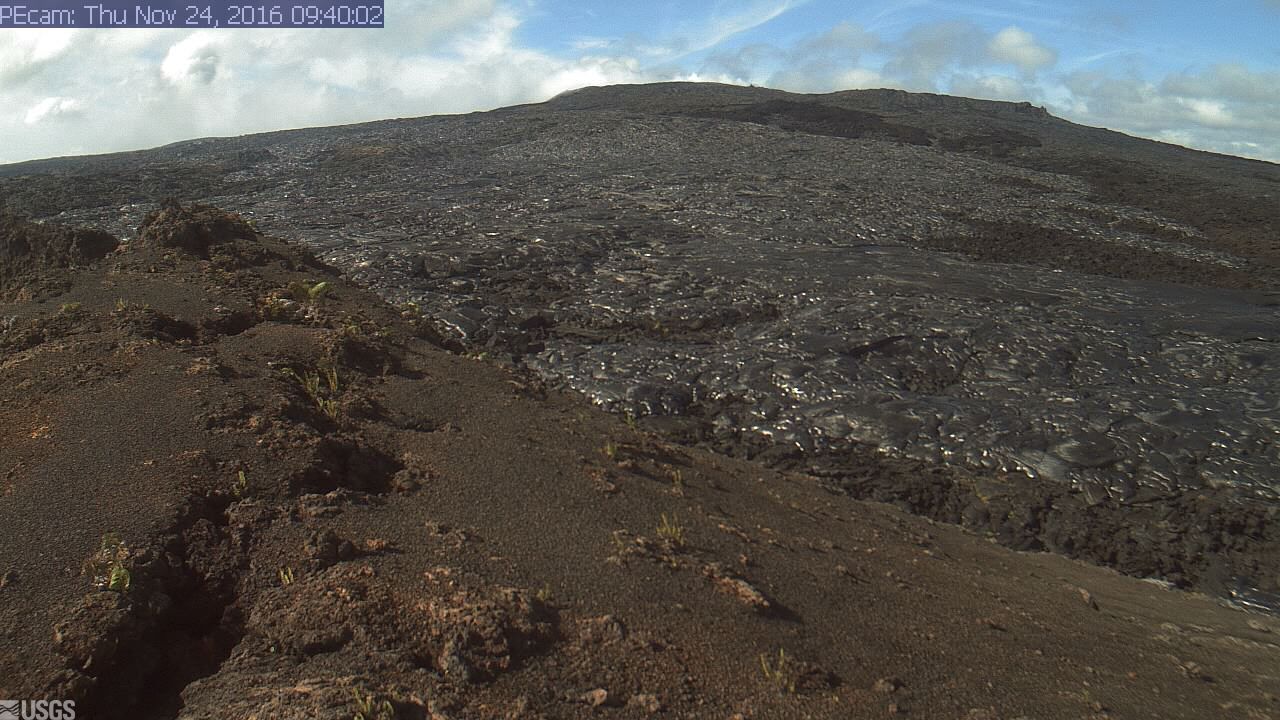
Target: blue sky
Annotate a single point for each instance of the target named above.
(1205, 75)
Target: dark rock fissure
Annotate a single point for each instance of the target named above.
(130, 654)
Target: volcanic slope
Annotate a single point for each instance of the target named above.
(1057, 336)
(237, 485)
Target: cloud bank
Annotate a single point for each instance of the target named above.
(84, 91)
(66, 92)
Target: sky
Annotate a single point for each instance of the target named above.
(1205, 75)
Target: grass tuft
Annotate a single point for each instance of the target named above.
(241, 487)
(544, 593)
(107, 566)
(321, 385)
(672, 531)
(781, 673)
(367, 708)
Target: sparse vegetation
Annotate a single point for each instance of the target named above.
(305, 292)
(544, 593)
(355, 330)
(123, 305)
(321, 385)
(619, 545)
(107, 566)
(781, 672)
(286, 576)
(70, 307)
(671, 531)
(367, 708)
(297, 302)
(611, 450)
(241, 487)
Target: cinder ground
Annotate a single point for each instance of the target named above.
(324, 514)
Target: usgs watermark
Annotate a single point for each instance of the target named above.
(37, 710)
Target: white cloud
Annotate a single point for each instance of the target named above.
(585, 44)
(928, 53)
(53, 108)
(1018, 47)
(990, 87)
(350, 73)
(24, 52)
(193, 60)
(1232, 81)
(599, 72)
(721, 27)
(861, 79)
(697, 34)
(826, 62)
(1227, 108)
(1213, 113)
(142, 88)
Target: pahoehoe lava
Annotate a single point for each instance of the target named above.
(1060, 335)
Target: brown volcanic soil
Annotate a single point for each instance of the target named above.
(420, 534)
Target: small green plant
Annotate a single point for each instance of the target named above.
(671, 531)
(241, 487)
(107, 566)
(544, 593)
(68, 307)
(123, 306)
(611, 450)
(286, 576)
(304, 292)
(677, 478)
(619, 545)
(780, 673)
(350, 330)
(367, 708)
(319, 385)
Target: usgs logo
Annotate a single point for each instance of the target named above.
(37, 709)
